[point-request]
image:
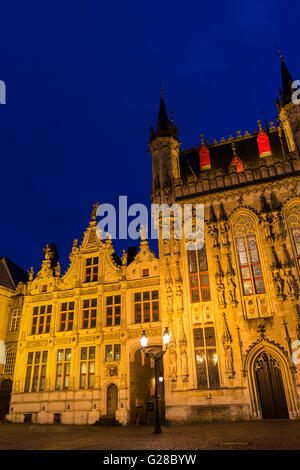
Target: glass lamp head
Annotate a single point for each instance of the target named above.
(144, 339)
(166, 336)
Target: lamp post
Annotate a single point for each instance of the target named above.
(156, 353)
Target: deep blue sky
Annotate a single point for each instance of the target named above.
(83, 84)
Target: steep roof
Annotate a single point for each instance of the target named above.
(221, 153)
(287, 82)
(164, 127)
(11, 274)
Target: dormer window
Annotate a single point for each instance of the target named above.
(91, 269)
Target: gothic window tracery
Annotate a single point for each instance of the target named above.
(248, 255)
(293, 218)
(198, 274)
(206, 357)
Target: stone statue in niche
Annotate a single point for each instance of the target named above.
(221, 292)
(169, 299)
(179, 298)
(228, 355)
(213, 231)
(224, 232)
(278, 284)
(184, 365)
(231, 289)
(166, 247)
(267, 226)
(229, 366)
(178, 273)
(173, 365)
(290, 283)
(277, 225)
(176, 246)
(168, 273)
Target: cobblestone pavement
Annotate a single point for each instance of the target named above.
(270, 435)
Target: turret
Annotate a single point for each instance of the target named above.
(288, 111)
(164, 147)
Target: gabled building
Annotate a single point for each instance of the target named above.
(79, 356)
(232, 305)
(12, 287)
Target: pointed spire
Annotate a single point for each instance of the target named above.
(163, 122)
(287, 80)
(164, 127)
(223, 215)
(212, 214)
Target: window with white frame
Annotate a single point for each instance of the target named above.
(15, 320)
(10, 360)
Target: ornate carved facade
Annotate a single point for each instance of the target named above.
(232, 306)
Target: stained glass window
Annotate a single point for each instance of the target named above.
(294, 224)
(198, 272)
(248, 255)
(206, 357)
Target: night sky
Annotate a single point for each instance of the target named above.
(83, 87)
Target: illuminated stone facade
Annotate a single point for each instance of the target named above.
(232, 307)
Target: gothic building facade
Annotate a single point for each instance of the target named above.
(232, 306)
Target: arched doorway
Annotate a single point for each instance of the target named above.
(142, 389)
(270, 388)
(5, 393)
(112, 400)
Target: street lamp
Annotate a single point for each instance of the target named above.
(156, 353)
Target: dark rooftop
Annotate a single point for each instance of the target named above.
(11, 274)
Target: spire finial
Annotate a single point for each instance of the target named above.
(278, 51)
(161, 89)
(172, 117)
(94, 211)
(259, 124)
(202, 139)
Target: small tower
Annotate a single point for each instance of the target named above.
(289, 113)
(164, 147)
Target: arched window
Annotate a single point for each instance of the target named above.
(10, 360)
(198, 273)
(248, 255)
(293, 218)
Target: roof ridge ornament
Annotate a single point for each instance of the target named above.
(263, 142)
(236, 161)
(204, 155)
